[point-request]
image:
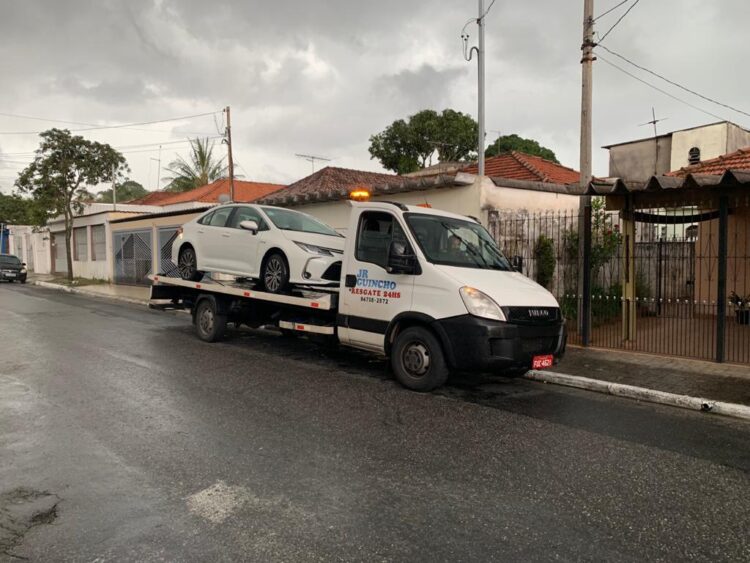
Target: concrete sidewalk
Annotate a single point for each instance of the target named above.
(710, 380)
(127, 293)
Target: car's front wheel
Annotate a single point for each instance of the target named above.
(187, 264)
(275, 273)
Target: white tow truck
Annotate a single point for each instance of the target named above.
(428, 289)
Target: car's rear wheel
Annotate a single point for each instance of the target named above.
(210, 323)
(275, 273)
(187, 264)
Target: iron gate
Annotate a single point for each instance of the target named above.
(133, 257)
(167, 236)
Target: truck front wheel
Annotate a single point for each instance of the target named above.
(210, 325)
(418, 360)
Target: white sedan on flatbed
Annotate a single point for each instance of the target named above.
(277, 246)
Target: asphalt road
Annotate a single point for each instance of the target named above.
(157, 446)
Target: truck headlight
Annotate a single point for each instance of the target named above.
(314, 249)
(480, 305)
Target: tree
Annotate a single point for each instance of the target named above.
(407, 146)
(202, 169)
(508, 143)
(17, 210)
(64, 165)
(127, 191)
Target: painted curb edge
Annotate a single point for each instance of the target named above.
(642, 394)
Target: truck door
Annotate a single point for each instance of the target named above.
(371, 296)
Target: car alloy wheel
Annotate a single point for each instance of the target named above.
(187, 264)
(275, 274)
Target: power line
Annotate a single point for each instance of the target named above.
(118, 126)
(660, 90)
(603, 37)
(673, 83)
(611, 9)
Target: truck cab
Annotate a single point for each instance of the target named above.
(431, 290)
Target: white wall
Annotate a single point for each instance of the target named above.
(500, 198)
(457, 199)
(711, 140)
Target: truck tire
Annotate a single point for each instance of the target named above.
(187, 264)
(210, 325)
(418, 361)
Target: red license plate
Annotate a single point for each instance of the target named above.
(542, 362)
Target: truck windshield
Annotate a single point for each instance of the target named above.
(456, 242)
(288, 220)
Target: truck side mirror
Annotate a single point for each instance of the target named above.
(401, 260)
(516, 262)
(251, 226)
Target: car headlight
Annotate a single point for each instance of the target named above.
(480, 304)
(314, 249)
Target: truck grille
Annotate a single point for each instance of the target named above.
(532, 315)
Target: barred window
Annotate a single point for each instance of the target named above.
(80, 245)
(98, 243)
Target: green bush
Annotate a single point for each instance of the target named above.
(544, 253)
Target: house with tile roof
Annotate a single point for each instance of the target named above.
(212, 193)
(640, 159)
(516, 181)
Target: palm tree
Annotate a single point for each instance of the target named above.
(202, 169)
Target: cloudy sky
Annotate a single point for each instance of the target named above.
(319, 77)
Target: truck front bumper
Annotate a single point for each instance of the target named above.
(476, 344)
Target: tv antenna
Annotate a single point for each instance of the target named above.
(312, 159)
(653, 122)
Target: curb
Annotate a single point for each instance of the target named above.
(642, 394)
(82, 291)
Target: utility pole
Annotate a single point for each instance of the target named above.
(158, 170)
(114, 188)
(229, 150)
(584, 223)
(480, 68)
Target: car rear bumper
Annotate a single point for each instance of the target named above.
(477, 344)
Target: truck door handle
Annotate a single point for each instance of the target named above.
(200, 231)
(350, 280)
(225, 235)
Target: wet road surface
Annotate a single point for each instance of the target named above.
(148, 444)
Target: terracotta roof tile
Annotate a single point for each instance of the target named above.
(737, 160)
(330, 181)
(243, 192)
(520, 166)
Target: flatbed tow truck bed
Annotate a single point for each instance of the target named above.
(303, 311)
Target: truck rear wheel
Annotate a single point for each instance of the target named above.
(418, 360)
(210, 325)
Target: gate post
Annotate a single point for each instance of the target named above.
(628, 271)
(721, 290)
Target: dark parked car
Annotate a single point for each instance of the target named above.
(12, 269)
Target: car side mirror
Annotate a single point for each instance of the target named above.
(516, 262)
(249, 225)
(401, 260)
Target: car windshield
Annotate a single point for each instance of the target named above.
(288, 220)
(9, 261)
(456, 242)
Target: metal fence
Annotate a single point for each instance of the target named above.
(689, 290)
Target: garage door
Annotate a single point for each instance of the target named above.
(133, 257)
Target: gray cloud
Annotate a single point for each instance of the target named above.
(321, 77)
